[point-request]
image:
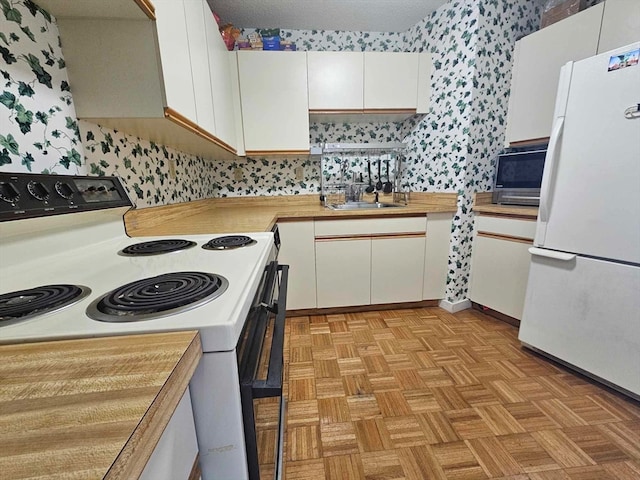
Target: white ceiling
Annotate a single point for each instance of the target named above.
(349, 15)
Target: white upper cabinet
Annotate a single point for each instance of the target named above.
(368, 86)
(536, 70)
(274, 99)
(620, 24)
(223, 73)
(335, 81)
(153, 76)
(173, 41)
(199, 55)
(390, 80)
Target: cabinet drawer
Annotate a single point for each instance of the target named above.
(370, 226)
(506, 226)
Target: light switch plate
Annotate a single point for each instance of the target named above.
(172, 168)
(238, 174)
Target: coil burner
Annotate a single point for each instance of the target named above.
(157, 297)
(156, 247)
(25, 304)
(229, 242)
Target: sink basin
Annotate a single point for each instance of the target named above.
(362, 206)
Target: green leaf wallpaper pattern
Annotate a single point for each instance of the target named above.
(39, 130)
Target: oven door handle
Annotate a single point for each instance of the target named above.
(272, 385)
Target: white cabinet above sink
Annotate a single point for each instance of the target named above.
(368, 86)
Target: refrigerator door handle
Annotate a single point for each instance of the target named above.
(541, 252)
(632, 112)
(549, 166)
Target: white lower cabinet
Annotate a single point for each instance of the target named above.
(393, 271)
(500, 264)
(436, 258)
(365, 261)
(177, 449)
(343, 272)
(397, 269)
(297, 251)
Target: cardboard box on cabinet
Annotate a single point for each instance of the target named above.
(556, 10)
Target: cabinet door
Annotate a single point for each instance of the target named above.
(620, 24)
(199, 55)
(499, 272)
(173, 43)
(177, 449)
(390, 80)
(436, 259)
(343, 272)
(297, 251)
(273, 93)
(536, 70)
(397, 269)
(335, 80)
(221, 72)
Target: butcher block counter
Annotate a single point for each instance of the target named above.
(259, 214)
(90, 408)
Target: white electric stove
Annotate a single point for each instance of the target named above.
(64, 236)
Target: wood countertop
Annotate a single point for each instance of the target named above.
(259, 214)
(482, 205)
(90, 408)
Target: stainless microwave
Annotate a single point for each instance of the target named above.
(519, 176)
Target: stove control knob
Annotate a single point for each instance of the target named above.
(38, 190)
(64, 190)
(9, 193)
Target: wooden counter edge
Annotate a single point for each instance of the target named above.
(134, 456)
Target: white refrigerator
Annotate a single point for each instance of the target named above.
(582, 304)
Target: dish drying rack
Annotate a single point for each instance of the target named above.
(345, 164)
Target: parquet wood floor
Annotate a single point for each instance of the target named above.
(425, 394)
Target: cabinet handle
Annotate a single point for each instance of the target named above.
(541, 252)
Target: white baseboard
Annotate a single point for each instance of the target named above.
(454, 307)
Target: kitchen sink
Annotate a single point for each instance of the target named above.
(362, 205)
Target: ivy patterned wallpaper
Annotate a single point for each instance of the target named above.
(452, 148)
(38, 125)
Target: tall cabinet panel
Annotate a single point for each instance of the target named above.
(173, 41)
(620, 24)
(222, 74)
(297, 251)
(536, 71)
(275, 107)
(199, 55)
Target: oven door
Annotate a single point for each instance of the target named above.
(260, 357)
